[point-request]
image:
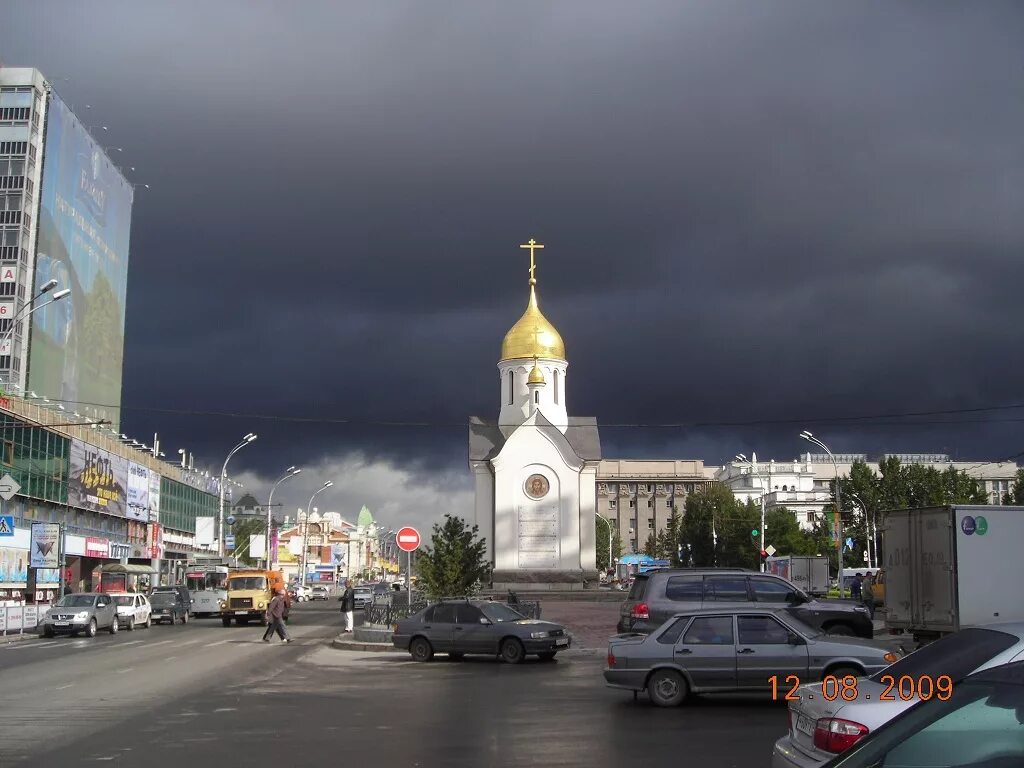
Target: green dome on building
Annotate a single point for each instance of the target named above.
(365, 519)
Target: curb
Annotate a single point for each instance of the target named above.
(356, 645)
(8, 639)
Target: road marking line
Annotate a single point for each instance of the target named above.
(30, 644)
(161, 642)
(170, 658)
(64, 687)
(219, 642)
(132, 642)
(125, 671)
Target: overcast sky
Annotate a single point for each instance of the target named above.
(759, 218)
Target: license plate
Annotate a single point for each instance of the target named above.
(562, 641)
(240, 613)
(62, 623)
(805, 726)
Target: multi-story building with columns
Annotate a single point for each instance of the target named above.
(638, 497)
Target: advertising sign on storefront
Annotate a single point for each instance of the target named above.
(44, 551)
(138, 492)
(13, 568)
(96, 547)
(98, 479)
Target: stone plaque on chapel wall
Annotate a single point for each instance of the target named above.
(538, 536)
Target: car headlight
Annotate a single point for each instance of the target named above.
(263, 605)
(81, 616)
(538, 635)
(223, 604)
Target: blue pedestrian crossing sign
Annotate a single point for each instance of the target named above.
(6, 525)
(229, 542)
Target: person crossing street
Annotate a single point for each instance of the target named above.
(275, 615)
(348, 605)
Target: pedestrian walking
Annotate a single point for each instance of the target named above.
(275, 616)
(348, 605)
(855, 586)
(868, 595)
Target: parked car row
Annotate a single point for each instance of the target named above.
(87, 613)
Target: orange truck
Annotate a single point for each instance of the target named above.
(250, 591)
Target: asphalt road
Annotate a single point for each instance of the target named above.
(201, 695)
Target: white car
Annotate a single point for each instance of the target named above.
(302, 593)
(133, 610)
(828, 720)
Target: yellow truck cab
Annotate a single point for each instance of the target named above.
(250, 591)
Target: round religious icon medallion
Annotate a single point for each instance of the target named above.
(537, 486)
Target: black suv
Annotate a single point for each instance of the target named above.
(658, 595)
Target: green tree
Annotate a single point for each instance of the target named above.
(242, 529)
(783, 531)
(715, 531)
(601, 529)
(455, 564)
(1016, 493)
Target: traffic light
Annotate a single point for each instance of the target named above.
(754, 533)
(764, 555)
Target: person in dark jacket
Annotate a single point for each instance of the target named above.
(275, 616)
(348, 605)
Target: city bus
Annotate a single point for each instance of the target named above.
(208, 586)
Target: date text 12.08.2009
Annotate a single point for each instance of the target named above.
(832, 688)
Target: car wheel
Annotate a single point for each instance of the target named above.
(47, 631)
(226, 621)
(91, 630)
(184, 618)
(843, 630)
(420, 649)
(840, 672)
(547, 655)
(667, 688)
(149, 621)
(131, 625)
(512, 651)
(115, 625)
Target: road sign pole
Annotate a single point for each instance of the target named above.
(408, 580)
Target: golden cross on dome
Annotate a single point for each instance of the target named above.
(532, 245)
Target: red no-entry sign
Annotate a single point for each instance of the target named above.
(408, 539)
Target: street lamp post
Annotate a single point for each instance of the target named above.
(764, 501)
(305, 527)
(290, 472)
(26, 311)
(839, 506)
(870, 531)
(223, 481)
(608, 523)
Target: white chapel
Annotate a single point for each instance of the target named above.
(536, 467)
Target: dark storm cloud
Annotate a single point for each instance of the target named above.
(752, 211)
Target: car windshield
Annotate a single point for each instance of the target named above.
(162, 598)
(498, 613)
(248, 582)
(956, 655)
(363, 590)
(124, 600)
(76, 601)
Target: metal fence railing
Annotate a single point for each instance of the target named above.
(387, 613)
(16, 618)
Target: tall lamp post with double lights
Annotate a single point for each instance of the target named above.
(838, 524)
(23, 314)
(305, 527)
(870, 531)
(290, 472)
(223, 481)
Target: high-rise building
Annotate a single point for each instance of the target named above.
(65, 215)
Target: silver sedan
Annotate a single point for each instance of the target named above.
(749, 649)
(819, 729)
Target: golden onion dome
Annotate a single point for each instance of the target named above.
(536, 375)
(532, 336)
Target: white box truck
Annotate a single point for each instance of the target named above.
(951, 567)
(808, 572)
